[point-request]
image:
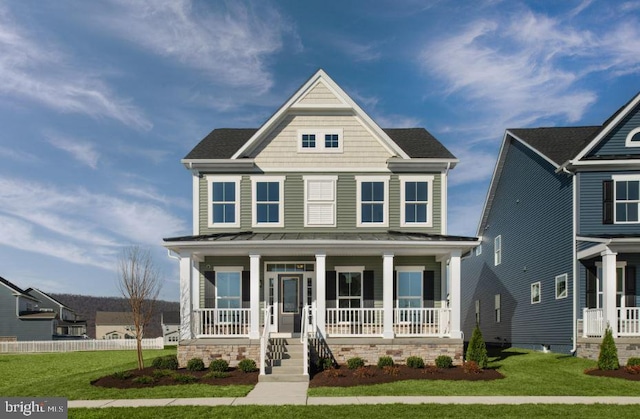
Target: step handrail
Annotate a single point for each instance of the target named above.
(264, 339)
(304, 339)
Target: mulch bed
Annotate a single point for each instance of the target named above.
(619, 373)
(236, 376)
(374, 375)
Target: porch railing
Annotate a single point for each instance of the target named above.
(304, 338)
(421, 321)
(264, 339)
(629, 321)
(592, 323)
(354, 321)
(223, 322)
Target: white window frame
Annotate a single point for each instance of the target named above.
(560, 278)
(429, 202)
(418, 269)
(497, 303)
(539, 286)
(619, 292)
(629, 142)
(227, 269)
(254, 204)
(349, 269)
(478, 249)
(385, 204)
(320, 140)
(623, 178)
(497, 250)
(228, 179)
(477, 306)
(308, 202)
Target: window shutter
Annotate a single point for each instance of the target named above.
(592, 280)
(330, 289)
(428, 288)
(320, 202)
(209, 289)
(246, 289)
(630, 286)
(367, 289)
(395, 288)
(607, 202)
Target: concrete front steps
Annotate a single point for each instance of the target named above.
(285, 357)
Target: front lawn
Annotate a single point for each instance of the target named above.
(69, 375)
(526, 373)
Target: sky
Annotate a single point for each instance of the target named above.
(99, 101)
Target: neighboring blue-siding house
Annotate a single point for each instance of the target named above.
(563, 204)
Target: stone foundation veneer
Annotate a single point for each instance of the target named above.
(231, 350)
(627, 348)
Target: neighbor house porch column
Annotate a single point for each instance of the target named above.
(186, 308)
(254, 297)
(321, 292)
(454, 294)
(609, 309)
(387, 295)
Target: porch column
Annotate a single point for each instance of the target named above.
(454, 294)
(254, 297)
(321, 292)
(609, 309)
(186, 331)
(387, 295)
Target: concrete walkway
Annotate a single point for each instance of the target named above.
(266, 393)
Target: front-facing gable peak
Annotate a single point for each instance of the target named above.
(320, 92)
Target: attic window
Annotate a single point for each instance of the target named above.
(311, 140)
(633, 138)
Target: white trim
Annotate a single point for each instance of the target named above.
(195, 202)
(211, 179)
(228, 269)
(628, 142)
(254, 212)
(539, 284)
(349, 269)
(566, 287)
(497, 250)
(410, 269)
(324, 169)
(444, 197)
(320, 140)
(430, 200)
(308, 202)
(385, 207)
(623, 178)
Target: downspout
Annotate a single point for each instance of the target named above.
(575, 261)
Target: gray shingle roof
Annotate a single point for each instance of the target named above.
(559, 144)
(222, 143)
(114, 318)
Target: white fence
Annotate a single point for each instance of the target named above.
(78, 345)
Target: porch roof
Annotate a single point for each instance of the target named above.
(620, 243)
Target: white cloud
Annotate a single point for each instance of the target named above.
(18, 155)
(474, 165)
(82, 151)
(38, 71)
(358, 52)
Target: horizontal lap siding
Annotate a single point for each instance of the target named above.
(613, 144)
(532, 211)
(320, 94)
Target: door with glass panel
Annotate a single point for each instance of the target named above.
(290, 302)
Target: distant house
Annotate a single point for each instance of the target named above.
(33, 315)
(115, 325)
(170, 321)
(560, 236)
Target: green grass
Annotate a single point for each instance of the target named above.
(69, 375)
(369, 411)
(526, 373)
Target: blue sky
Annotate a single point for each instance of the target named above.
(99, 101)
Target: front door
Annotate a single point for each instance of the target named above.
(289, 303)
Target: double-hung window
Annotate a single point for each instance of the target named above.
(224, 205)
(268, 201)
(415, 196)
(409, 288)
(627, 198)
(497, 250)
(320, 201)
(349, 286)
(373, 200)
(228, 294)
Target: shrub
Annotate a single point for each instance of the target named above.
(608, 357)
(195, 364)
(324, 364)
(121, 375)
(390, 370)
(168, 362)
(444, 361)
(477, 350)
(415, 362)
(633, 362)
(247, 365)
(216, 374)
(471, 367)
(184, 378)
(385, 361)
(157, 374)
(143, 379)
(363, 372)
(219, 365)
(355, 363)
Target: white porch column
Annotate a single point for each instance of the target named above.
(387, 295)
(454, 294)
(254, 296)
(321, 292)
(609, 309)
(186, 308)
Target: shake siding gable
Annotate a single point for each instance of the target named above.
(613, 144)
(320, 94)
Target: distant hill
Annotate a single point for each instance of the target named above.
(86, 306)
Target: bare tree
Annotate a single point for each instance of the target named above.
(140, 284)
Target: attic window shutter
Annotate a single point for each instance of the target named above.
(607, 202)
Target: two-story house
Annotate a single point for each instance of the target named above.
(320, 211)
(115, 325)
(170, 322)
(69, 324)
(560, 238)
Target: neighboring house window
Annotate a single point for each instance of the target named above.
(409, 290)
(478, 312)
(310, 140)
(535, 293)
(349, 286)
(497, 250)
(561, 286)
(415, 196)
(626, 198)
(228, 289)
(373, 198)
(479, 250)
(224, 210)
(498, 308)
(320, 201)
(268, 201)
